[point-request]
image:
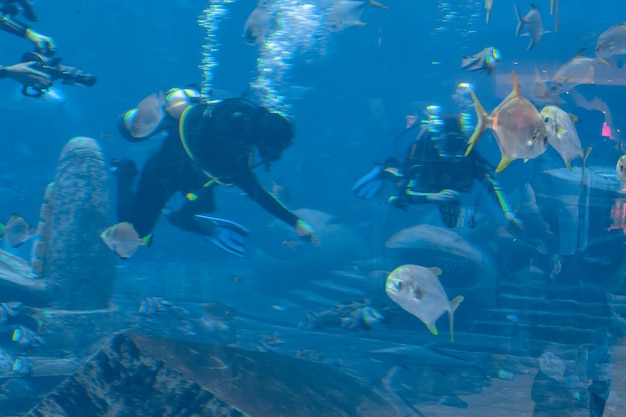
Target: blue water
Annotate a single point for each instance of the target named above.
(349, 93)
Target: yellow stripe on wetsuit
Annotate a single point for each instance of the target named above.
(183, 140)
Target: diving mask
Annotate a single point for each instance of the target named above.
(450, 145)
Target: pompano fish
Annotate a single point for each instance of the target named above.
(258, 25)
(17, 230)
(122, 238)
(485, 60)
(579, 70)
(541, 92)
(612, 42)
(532, 23)
(517, 126)
(148, 116)
(554, 7)
(488, 7)
(344, 14)
(563, 137)
(417, 290)
(620, 168)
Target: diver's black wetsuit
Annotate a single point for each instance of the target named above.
(218, 137)
(432, 173)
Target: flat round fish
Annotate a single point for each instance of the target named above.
(562, 134)
(417, 290)
(518, 127)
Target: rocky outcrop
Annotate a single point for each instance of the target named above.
(143, 376)
(71, 268)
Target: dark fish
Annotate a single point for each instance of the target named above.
(151, 306)
(122, 238)
(27, 337)
(218, 310)
(8, 310)
(362, 318)
(485, 60)
(17, 230)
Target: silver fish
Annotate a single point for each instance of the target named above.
(122, 238)
(579, 70)
(258, 25)
(17, 230)
(563, 137)
(620, 168)
(485, 60)
(148, 116)
(488, 7)
(345, 13)
(532, 23)
(417, 290)
(554, 7)
(543, 92)
(612, 42)
(517, 126)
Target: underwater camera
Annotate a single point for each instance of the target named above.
(52, 66)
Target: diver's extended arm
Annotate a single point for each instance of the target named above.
(26, 73)
(248, 182)
(43, 43)
(501, 198)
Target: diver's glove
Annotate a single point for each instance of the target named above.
(305, 232)
(26, 73)
(225, 234)
(444, 196)
(44, 44)
(371, 184)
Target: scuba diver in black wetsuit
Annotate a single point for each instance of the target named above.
(435, 170)
(206, 145)
(25, 73)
